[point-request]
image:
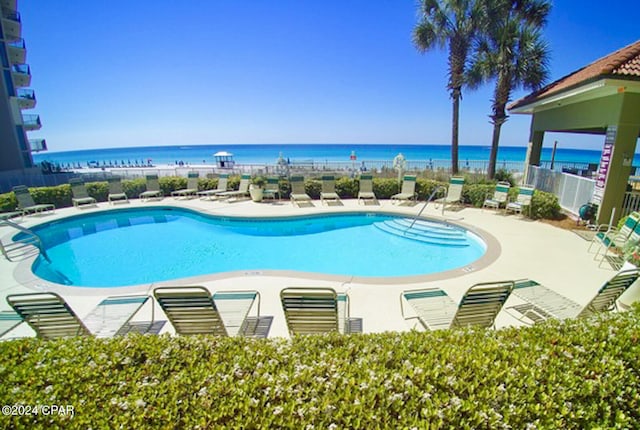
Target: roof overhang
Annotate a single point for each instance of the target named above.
(601, 87)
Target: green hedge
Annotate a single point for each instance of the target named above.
(573, 375)
(544, 205)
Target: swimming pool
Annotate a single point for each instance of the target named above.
(130, 246)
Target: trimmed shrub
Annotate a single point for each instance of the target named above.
(134, 187)
(475, 194)
(347, 188)
(98, 190)
(384, 188)
(575, 374)
(59, 195)
(8, 202)
(545, 205)
(424, 188)
(171, 183)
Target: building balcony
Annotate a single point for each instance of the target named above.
(9, 4)
(31, 122)
(37, 145)
(21, 75)
(25, 98)
(17, 51)
(11, 24)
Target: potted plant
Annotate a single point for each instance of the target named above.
(256, 188)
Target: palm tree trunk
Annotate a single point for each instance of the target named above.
(493, 155)
(454, 132)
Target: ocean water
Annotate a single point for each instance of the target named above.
(301, 153)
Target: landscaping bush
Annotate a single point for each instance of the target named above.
(8, 202)
(545, 205)
(59, 195)
(171, 183)
(475, 194)
(424, 188)
(347, 188)
(134, 187)
(576, 374)
(384, 188)
(98, 190)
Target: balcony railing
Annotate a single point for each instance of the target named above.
(26, 93)
(31, 121)
(11, 15)
(18, 43)
(21, 68)
(37, 145)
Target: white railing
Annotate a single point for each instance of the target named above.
(631, 202)
(573, 191)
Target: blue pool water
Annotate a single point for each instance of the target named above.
(139, 246)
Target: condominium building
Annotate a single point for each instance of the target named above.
(16, 98)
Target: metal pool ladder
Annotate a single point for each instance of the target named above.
(24, 247)
(426, 202)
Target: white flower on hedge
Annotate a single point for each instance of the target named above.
(202, 391)
(277, 410)
(123, 405)
(333, 426)
(395, 397)
(455, 402)
(140, 403)
(253, 401)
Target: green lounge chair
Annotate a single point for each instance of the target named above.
(500, 196)
(408, 191)
(116, 193)
(193, 310)
(51, 317)
(223, 180)
(272, 189)
(523, 200)
(242, 191)
(26, 205)
(543, 303)
(317, 310)
(192, 187)
(454, 193)
(298, 194)
(153, 188)
(613, 239)
(479, 306)
(8, 321)
(365, 191)
(79, 191)
(328, 191)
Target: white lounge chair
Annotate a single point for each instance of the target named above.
(365, 192)
(328, 192)
(51, 317)
(223, 179)
(317, 310)
(242, 191)
(454, 193)
(26, 205)
(500, 196)
(116, 193)
(298, 193)
(479, 306)
(543, 303)
(192, 187)
(615, 238)
(153, 189)
(523, 200)
(193, 310)
(80, 195)
(408, 191)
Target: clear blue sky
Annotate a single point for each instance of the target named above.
(166, 72)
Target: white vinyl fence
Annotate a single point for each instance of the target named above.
(573, 191)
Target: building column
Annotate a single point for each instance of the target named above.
(619, 168)
(534, 151)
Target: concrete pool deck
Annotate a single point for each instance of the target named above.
(552, 256)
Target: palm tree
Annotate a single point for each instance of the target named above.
(453, 23)
(510, 50)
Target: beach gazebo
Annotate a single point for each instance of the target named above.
(224, 159)
(600, 98)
